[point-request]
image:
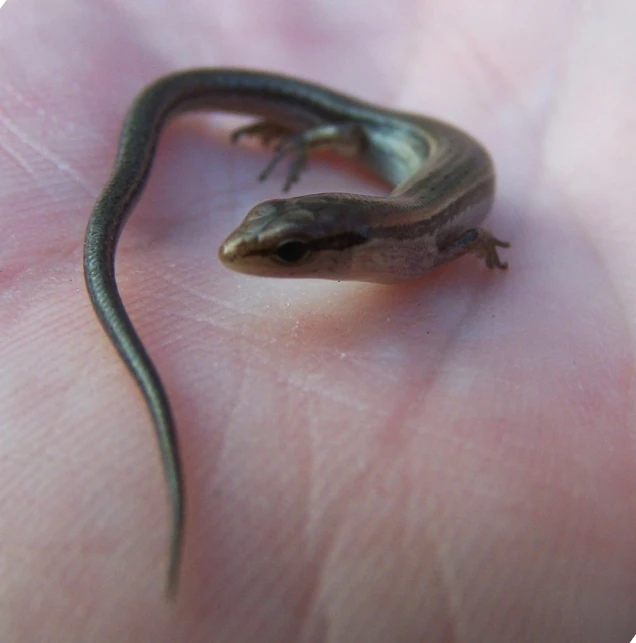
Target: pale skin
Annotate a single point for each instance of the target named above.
(453, 459)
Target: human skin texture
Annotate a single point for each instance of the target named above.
(448, 460)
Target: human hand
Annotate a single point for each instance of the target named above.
(448, 459)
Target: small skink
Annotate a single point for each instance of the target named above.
(443, 186)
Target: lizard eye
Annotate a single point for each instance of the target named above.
(291, 252)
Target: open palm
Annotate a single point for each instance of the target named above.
(452, 459)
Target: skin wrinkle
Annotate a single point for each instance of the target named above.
(46, 154)
(311, 609)
(551, 113)
(257, 346)
(395, 534)
(310, 384)
(593, 242)
(441, 564)
(316, 605)
(396, 430)
(570, 196)
(20, 160)
(460, 628)
(488, 69)
(331, 554)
